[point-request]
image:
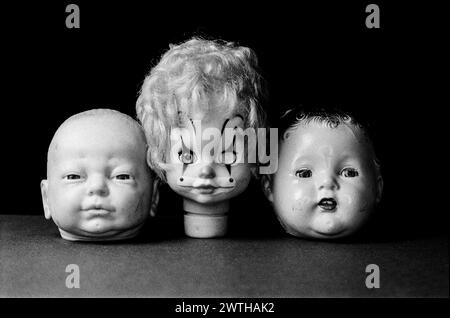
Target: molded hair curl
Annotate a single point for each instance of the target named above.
(198, 76)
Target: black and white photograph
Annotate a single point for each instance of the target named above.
(223, 156)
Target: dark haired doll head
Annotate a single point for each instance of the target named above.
(328, 179)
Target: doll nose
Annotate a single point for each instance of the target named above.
(207, 172)
(97, 186)
(328, 183)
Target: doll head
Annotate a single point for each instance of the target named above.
(328, 178)
(195, 93)
(98, 184)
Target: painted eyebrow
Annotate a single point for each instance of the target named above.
(226, 122)
(232, 145)
(183, 145)
(192, 122)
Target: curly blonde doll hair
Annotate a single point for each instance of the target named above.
(187, 78)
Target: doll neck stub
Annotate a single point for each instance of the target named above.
(205, 221)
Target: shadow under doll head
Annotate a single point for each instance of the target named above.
(328, 178)
(198, 90)
(98, 184)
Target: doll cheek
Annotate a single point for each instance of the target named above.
(348, 200)
(349, 204)
(173, 177)
(298, 207)
(241, 178)
(302, 203)
(364, 206)
(356, 202)
(240, 171)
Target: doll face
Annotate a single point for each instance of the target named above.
(213, 172)
(325, 185)
(98, 182)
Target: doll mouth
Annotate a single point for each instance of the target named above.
(98, 210)
(206, 189)
(327, 204)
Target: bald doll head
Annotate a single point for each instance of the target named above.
(98, 184)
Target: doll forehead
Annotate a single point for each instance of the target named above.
(198, 121)
(316, 140)
(103, 136)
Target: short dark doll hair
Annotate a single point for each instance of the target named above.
(333, 118)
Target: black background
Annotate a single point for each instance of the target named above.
(311, 53)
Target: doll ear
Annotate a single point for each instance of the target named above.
(44, 191)
(266, 183)
(380, 185)
(155, 197)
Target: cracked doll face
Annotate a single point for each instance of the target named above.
(326, 184)
(99, 185)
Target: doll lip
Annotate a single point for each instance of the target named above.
(98, 209)
(327, 204)
(98, 212)
(205, 189)
(202, 189)
(205, 186)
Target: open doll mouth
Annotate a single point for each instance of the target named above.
(327, 204)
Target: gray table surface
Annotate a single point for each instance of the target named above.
(33, 259)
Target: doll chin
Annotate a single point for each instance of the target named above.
(207, 199)
(325, 227)
(100, 227)
(97, 228)
(219, 196)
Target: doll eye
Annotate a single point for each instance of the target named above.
(349, 173)
(186, 157)
(303, 173)
(123, 176)
(72, 176)
(227, 157)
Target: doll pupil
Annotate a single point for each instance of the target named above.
(187, 157)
